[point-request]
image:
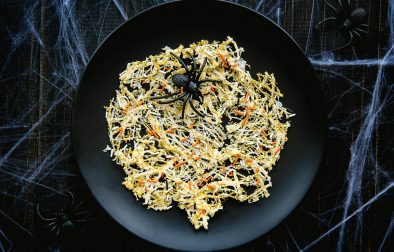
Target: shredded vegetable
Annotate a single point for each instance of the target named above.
(199, 162)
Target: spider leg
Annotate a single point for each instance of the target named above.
(51, 224)
(324, 21)
(356, 33)
(174, 100)
(77, 206)
(344, 7)
(369, 27)
(53, 228)
(361, 30)
(58, 231)
(184, 107)
(201, 68)
(193, 71)
(41, 216)
(190, 99)
(332, 7)
(71, 197)
(182, 63)
(347, 44)
(200, 96)
(165, 96)
(347, 6)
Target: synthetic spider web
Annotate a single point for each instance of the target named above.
(46, 48)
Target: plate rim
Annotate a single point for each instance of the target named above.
(172, 2)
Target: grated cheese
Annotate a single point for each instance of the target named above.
(197, 163)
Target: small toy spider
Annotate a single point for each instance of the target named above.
(189, 84)
(347, 22)
(66, 219)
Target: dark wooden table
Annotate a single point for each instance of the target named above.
(44, 48)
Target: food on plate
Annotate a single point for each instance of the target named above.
(192, 128)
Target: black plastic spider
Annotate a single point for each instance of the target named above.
(349, 23)
(189, 84)
(66, 219)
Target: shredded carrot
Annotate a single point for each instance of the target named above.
(230, 174)
(237, 112)
(183, 139)
(128, 105)
(180, 164)
(154, 180)
(212, 187)
(223, 169)
(208, 178)
(139, 102)
(163, 87)
(212, 89)
(170, 130)
(181, 90)
(178, 182)
(249, 161)
(153, 133)
(237, 156)
(191, 126)
(190, 185)
(246, 97)
(197, 158)
(203, 211)
(253, 107)
(196, 142)
(167, 68)
(276, 150)
(247, 111)
(121, 130)
(140, 183)
(225, 62)
(126, 108)
(257, 181)
(244, 121)
(162, 175)
(264, 133)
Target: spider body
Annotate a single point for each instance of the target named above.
(189, 84)
(348, 22)
(182, 81)
(66, 219)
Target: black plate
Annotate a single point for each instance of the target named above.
(267, 48)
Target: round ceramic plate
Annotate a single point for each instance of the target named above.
(267, 48)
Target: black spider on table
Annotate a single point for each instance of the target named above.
(350, 23)
(67, 218)
(189, 84)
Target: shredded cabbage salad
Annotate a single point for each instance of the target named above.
(197, 163)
